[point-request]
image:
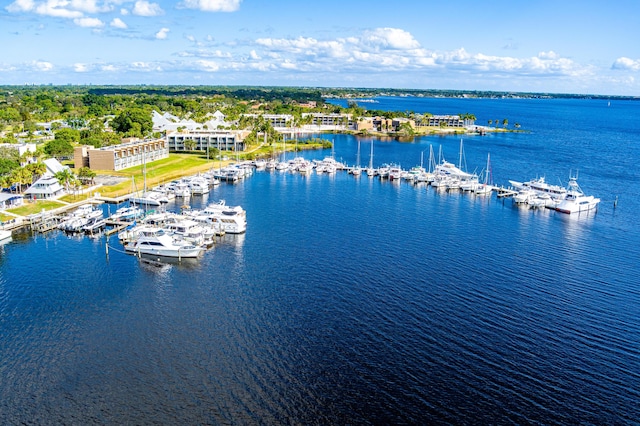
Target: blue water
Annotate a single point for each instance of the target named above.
(354, 300)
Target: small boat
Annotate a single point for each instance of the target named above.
(576, 201)
(5, 236)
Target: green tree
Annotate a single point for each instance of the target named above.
(86, 175)
(66, 178)
(36, 169)
(505, 123)
(58, 148)
(189, 145)
(68, 135)
(133, 122)
(7, 165)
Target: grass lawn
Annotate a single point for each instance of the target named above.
(158, 172)
(33, 207)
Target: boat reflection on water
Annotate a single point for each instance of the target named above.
(160, 263)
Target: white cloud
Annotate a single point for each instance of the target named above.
(209, 66)
(394, 38)
(80, 68)
(393, 49)
(254, 55)
(118, 23)
(70, 9)
(42, 65)
(124, 12)
(88, 22)
(109, 68)
(624, 63)
(212, 5)
(162, 34)
(144, 8)
(145, 66)
(88, 6)
(21, 6)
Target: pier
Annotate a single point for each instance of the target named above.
(503, 192)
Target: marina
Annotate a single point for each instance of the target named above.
(384, 301)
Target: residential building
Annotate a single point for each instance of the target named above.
(132, 153)
(9, 200)
(277, 121)
(442, 120)
(222, 140)
(45, 188)
(331, 120)
(22, 148)
(170, 123)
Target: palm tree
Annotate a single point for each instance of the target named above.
(66, 178)
(85, 174)
(490, 122)
(505, 122)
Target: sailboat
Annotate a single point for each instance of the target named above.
(357, 170)
(487, 185)
(370, 171)
(283, 165)
(147, 198)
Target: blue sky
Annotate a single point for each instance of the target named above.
(559, 46)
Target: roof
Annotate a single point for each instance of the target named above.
(54, 166)
(4, 196)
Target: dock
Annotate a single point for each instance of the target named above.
(503, 192)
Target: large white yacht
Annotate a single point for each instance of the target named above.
(155, 241)
(576, 201)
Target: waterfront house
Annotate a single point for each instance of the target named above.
(45, 188)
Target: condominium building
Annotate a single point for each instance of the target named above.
(222, 140)
(122, 156)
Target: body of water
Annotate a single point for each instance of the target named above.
(355, 300)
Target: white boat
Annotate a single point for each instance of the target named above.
(395, 172)
(182, 190)
(157, 242)
(228, 219)
(524, 195)
(94, 224)
(149, 198)
(127, 213)
(80, 218)
(486, 187)
(576, 201)
(188, 230)
(540, 186)
(5, 236)
(198, 185)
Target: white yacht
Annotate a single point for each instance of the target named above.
(157, 242)
(127, 213)
(576, 201)
(541, 187)
(149, 198)
(199, 185)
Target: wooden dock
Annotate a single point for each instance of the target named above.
(503, 192)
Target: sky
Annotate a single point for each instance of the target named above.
(559, 46)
